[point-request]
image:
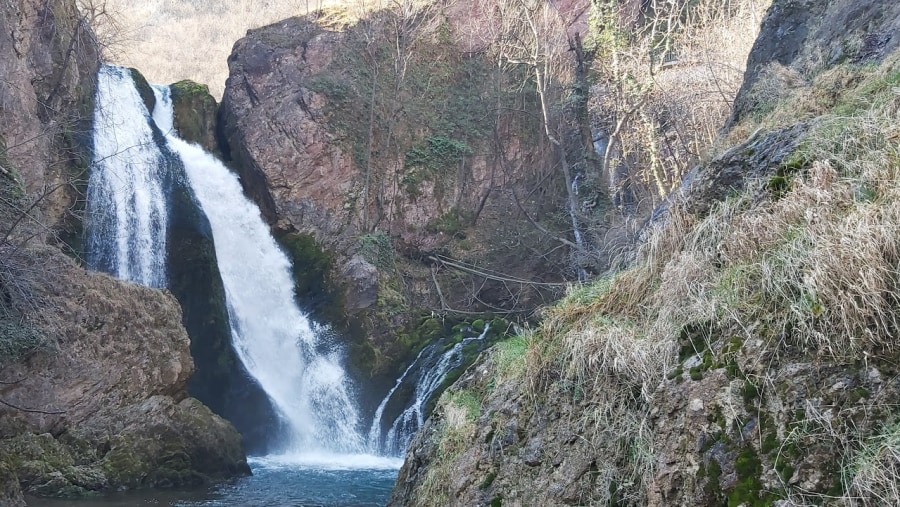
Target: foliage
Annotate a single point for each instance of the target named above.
(458, 411)
(20, 275)
(412, 107)
(18, 339)
(437, 153)
(376, 247)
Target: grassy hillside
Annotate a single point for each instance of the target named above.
(748, 355)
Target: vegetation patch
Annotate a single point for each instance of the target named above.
(376, 247)
(311, 267)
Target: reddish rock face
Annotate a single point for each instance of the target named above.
(46, 59)
(432, 156)
(275, 125)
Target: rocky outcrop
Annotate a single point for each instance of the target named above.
(195, 114)
(395, 170)
(749, 400)
(104, 404)
(93, 371)
(810, 37)
(756, 158)
(270, 122)
(48, 66)
(510, 450)
(715, 437)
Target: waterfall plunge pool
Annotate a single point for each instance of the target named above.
(139, 159)
(278, 480)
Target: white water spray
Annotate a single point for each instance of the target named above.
(126, 205)
(431, 376)
(291, 358)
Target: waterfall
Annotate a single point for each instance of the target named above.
(428, 372)
(126, 194)
(295, 361)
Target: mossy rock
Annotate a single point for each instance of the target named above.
(58, 486)
(34, 457)
(311, 268)
(192, 448)
(144, 89)
(195, 114)
(123, 464)
(10, 493)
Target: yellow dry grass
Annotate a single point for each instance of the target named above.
(811, 258)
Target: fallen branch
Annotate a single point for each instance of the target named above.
(30, 410)
(500, 277)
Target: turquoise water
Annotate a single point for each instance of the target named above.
(352, 481)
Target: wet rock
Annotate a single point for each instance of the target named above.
(195, 114)
(362, 284)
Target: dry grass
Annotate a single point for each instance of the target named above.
(874, 476)
(170, 40)
(458, 411)
(813, 261)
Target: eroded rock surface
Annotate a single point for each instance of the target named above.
(104, 404)
(386, 168)
(749, 415)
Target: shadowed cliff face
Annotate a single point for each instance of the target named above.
(810, 37)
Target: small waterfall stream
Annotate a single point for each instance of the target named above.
(426, 374)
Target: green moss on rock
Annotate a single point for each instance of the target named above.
(34, 457)
(311, 268)
(195, 114)
(144, 89)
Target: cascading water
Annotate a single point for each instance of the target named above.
(131, 195)
(292, 359)
(126, 206)
(427, 372)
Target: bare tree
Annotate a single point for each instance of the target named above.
(532, 34)
(391, 32)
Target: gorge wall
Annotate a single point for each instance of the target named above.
(747, 356)
(412, 161)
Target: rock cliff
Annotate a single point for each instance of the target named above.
(102, 403)
(93, 371)
(416, 172)
(747, 357)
